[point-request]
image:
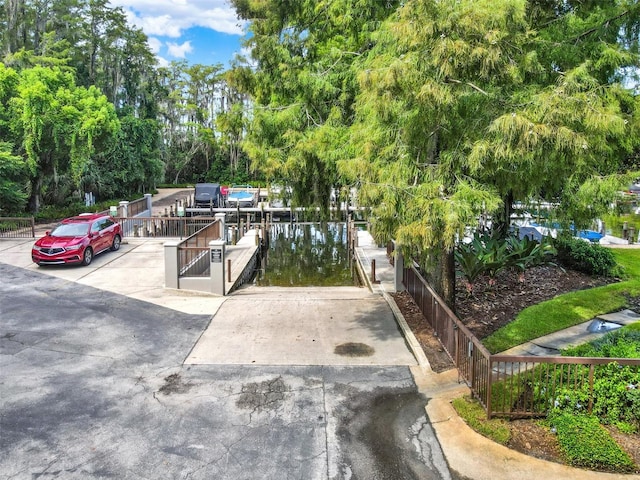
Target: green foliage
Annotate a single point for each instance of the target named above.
(617, 388)
(130, 163)
(489, 253)
(586, 257)
(474, 415)
(60, 126)
(13, 176)
(586, 444)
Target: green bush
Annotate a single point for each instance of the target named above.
(590, 258)
(488, 254)
(585, 443)
(616, 389)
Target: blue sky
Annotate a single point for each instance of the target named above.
(199, 31)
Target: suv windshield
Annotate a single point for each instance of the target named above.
(70, 230)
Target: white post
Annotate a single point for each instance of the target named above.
(124, 206)
(171, 264)
(220, 217)
(147, 196)
(217, 270)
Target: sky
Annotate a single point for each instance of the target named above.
(198, 31)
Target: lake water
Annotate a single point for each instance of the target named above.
(306, 254)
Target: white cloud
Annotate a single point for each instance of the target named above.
(179, 50)
(154, 44)
(162, 62)
(171, 17)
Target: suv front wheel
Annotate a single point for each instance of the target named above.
(87, 256)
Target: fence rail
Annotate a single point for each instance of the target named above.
(193, 252)
(194, 261)
(162, 226)
(507, 385)
(17, 227)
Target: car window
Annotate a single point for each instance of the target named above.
(107, 222)
(70, 230)
(95, 227)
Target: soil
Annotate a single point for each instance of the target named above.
(491, 305)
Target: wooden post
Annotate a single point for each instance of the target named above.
(373, 271)
(229, 270)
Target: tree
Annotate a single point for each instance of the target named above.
(304, 88)
(60, 125)
(130, 163)
(468, 105)
(13, 178)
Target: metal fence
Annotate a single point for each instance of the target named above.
(507, 385)
(175, 227)
(17, 227)
(193, 253)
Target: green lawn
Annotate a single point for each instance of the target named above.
(572, 308)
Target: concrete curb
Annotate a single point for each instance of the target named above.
(410, 338)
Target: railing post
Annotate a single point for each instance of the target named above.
(489, 384)
(220, 217)
(149, 205)
(124, 207)
(591, 374)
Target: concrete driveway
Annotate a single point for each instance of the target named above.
(95, 384)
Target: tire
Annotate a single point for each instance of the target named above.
(87, 256)
(115, 245)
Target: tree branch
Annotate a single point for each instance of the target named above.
(459, 82)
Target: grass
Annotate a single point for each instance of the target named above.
(570, 309)
(473, 414)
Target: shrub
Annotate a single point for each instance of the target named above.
(616, 388)
(589, 258)
(488, 253)
(585, 443)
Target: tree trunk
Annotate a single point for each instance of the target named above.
(447, 266)
(503, 220)
(34, 197)
(439, 269)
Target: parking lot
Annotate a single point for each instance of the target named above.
(97, 383)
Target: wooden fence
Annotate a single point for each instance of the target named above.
(508, 385)
(17, 227)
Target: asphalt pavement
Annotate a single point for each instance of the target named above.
(98, 383)
(104, 373)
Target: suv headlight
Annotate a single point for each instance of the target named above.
(73, 247)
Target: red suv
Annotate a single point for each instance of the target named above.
(77, 240)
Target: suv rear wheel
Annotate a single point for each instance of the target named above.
(115, 245)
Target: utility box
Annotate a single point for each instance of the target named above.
(217, 270)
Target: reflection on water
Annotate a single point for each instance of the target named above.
(304, 255)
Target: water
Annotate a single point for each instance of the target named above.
(305, 255)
